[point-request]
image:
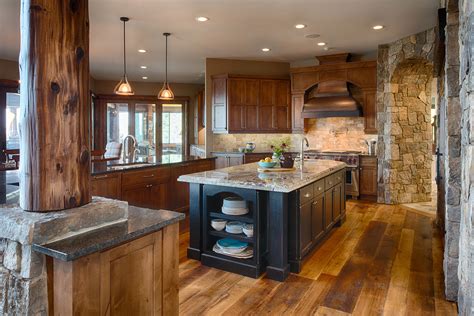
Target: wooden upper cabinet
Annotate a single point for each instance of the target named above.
(253, 104)
(219, 105)
(370, 113)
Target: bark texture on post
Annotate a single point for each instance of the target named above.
(55, 107)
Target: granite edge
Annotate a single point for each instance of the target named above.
(45, 250)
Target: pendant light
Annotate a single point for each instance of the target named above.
(123, 87)
(165, 92)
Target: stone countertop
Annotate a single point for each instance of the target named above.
(117, 166)
(247, 177)
(141, 221)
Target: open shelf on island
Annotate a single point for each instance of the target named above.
(224, 234)
(239, 218)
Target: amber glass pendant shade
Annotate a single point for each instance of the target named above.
(166, 93)
(123, 87)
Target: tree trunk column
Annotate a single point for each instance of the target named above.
(55, 107)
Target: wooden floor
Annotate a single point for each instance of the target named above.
(382, 260)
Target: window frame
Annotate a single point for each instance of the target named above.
(6, 86)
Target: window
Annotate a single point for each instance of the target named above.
(12, 121)
(117, 122)
(172, 129)
(145, 122)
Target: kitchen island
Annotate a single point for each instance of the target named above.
(290, 212)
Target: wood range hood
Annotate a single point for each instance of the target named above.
(331, 98)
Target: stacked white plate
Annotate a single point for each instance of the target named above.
(234, 227)
(233, 248)
(234, 206)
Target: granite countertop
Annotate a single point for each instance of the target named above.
(247, 177)
(141, 221)
(117, 165)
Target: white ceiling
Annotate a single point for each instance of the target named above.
(236, 29)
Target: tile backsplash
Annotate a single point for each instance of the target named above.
(343, 133)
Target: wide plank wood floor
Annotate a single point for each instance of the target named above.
(384, 260)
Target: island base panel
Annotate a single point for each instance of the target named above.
(194, 253)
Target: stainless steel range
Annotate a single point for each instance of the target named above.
(351, 158)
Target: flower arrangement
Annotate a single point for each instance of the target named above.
(280, 146)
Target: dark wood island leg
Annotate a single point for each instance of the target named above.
(278, 267)
(195, 216)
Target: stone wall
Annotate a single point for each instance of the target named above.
(451, 149)
(466, 79)
(332, 133)
(404, 76)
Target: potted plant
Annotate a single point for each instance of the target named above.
(279, 147)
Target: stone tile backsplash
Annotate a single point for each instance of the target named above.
(342, 133)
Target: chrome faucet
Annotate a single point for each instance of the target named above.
(303, 141)
(129, 153)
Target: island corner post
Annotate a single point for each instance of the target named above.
(55, 107)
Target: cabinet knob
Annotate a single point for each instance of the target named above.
(307, 195)
(320, 188)
(315, 203)
(149, 185)
(101, 177)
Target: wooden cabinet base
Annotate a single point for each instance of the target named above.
(136, 278)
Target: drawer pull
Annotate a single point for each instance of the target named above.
(150, 176)
(315, 203)
(101, 177)
(307, 195)
(149, 185)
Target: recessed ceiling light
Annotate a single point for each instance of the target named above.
(144, 78)
(143, 67)
(142, 50)
(202, 19)
(321, 44)
(300, 26)
(378, 27)
(266, 49)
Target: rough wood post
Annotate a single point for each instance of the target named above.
(55, 107)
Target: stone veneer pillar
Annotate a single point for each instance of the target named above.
(452, 150)
(466, 79)
(404, 74)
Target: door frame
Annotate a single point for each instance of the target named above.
(6, 86)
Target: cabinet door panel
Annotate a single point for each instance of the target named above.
(236, 119)
(368, 180)
(251, 117)
(282, 93)
(251, 91)
(221, 161)
(107, 185)
(282, 119)
(219, 118)
(297, 108)
(235, 160)
(265, 117)
(305, 227)
(317, 217)
(138, 196)
(159, 196)
(370, 113)
(236, 91)
(328, 209)
(267, 92)
(337, 192)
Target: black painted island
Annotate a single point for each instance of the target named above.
(290, 213)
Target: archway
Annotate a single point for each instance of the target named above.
(408, 137)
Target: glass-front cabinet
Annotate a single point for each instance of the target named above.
(157, 126)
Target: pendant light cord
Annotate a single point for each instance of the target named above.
(166, 60)
(124, 56)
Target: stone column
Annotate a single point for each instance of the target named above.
(452, 154)
(466, 79)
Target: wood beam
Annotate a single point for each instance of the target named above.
(55, 105)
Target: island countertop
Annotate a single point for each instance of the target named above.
(246, 176)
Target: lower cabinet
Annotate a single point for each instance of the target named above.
(151, 187)
(317, 208)
(139, 277)
(225, 160)
(368, 177)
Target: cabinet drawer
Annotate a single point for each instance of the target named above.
(339, 177)
(319, 187)
(152, 175)
(306, 194)
(329, 181)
